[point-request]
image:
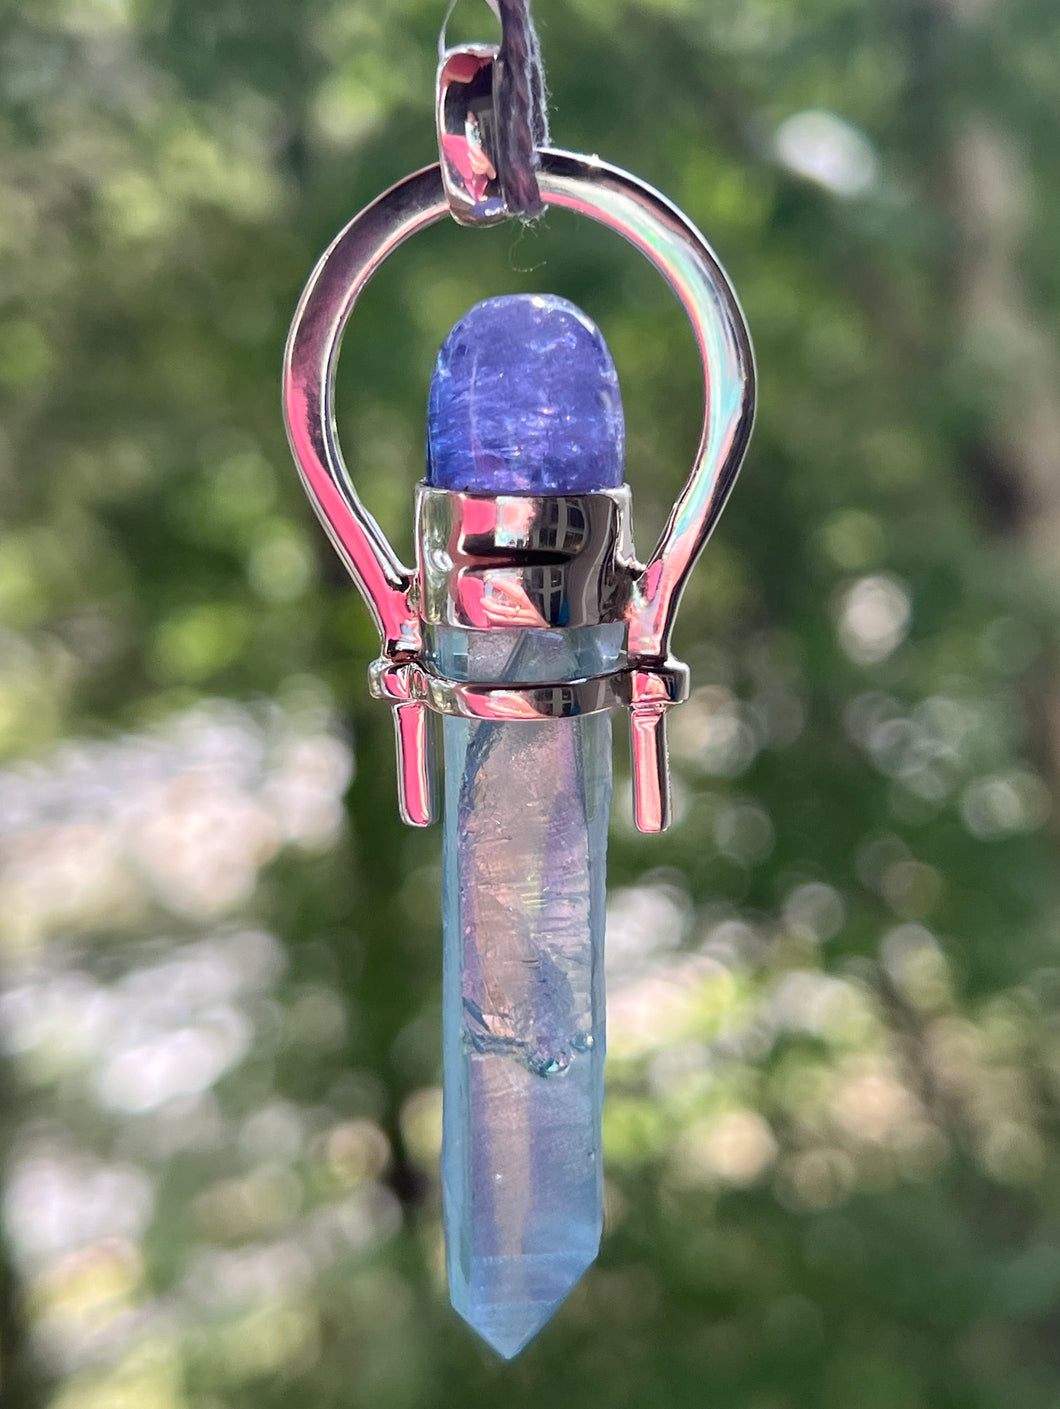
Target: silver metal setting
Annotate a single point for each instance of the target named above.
(523, 560)
(629, 688)
(467, 135)
(398, 595)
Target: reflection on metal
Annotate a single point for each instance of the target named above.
(523, 560)
(402, 599)
(634, 687)
(467, 135)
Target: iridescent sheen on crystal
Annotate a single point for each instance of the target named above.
(526, 812)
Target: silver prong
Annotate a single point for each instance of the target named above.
(414, 734)
(467, 135)
(651, 768)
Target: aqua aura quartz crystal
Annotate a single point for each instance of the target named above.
(524, 400)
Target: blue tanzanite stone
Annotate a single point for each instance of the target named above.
(525, 400)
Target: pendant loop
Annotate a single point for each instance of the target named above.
(468, 136)
(670, 241)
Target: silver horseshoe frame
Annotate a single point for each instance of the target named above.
(651, 682)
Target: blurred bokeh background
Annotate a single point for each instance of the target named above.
(834, 988)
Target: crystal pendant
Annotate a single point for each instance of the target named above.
(524, 399)
(524, 620)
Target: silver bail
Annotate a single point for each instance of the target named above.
(467, 134)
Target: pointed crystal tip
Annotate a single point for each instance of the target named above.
(507, 1322)
(510, 1329)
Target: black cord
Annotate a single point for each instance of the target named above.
(521, 105)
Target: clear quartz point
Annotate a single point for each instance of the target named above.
(526, 812)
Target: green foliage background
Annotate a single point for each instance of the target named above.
(831, 1137)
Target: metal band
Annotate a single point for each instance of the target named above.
(657, 687)
(522, 560)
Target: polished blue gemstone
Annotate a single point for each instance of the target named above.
(525, 400)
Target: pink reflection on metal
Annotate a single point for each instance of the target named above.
(308, 396)
(479, 516)
(466, 133)
(651, 772)
(466, 156)
(493, 600)
(414, 758)
(515, 518)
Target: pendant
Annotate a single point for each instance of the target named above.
(525, 621)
